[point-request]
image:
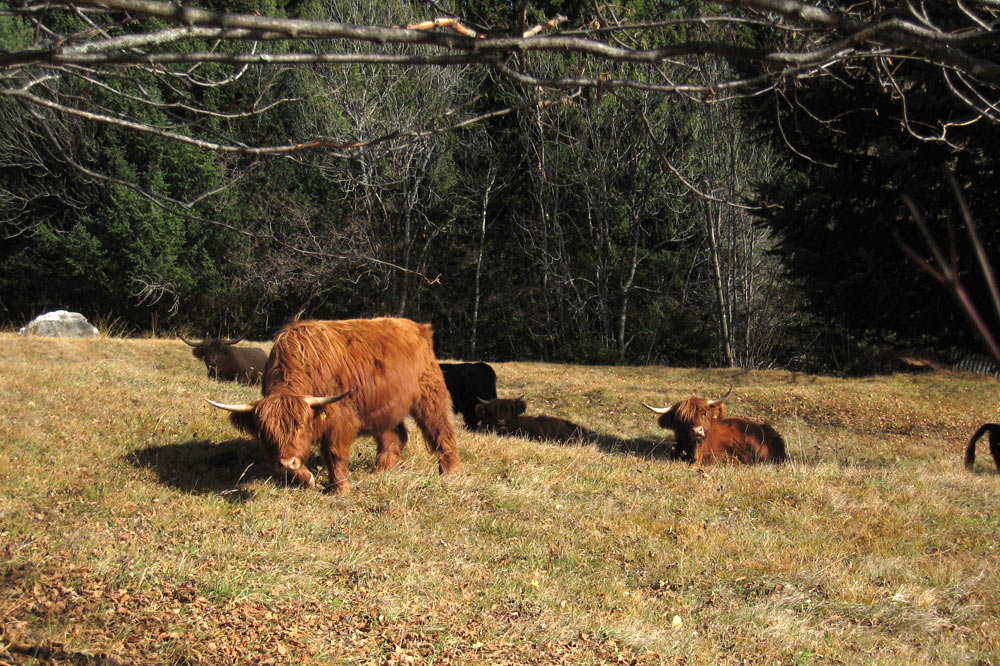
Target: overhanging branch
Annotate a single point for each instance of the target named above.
(850, 37)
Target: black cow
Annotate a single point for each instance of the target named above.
(468, 383)
(970, 449)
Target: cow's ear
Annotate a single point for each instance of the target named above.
(244, 422)
(481, 410)
(519, 407)
(319, 413)
(666, 419)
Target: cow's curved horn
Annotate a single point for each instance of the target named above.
(656, 410)
(245, 407)
(723, 398)
(186, 341)
(314, 401)
(233, 341)
(483, 401)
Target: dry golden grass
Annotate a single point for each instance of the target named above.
(137, 527)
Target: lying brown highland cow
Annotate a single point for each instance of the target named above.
(228, 363)
(706, 437)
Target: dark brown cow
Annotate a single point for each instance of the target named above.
(706, 437)
(229, 363)
(504, 415)
(330, 381)
(970, 449)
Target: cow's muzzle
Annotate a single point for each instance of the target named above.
(295, 467)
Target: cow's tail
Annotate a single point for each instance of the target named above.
(970, 448)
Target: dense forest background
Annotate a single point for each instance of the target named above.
(588, 225)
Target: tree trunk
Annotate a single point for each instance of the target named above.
(491, 176)
(720, 293)
(626, 290)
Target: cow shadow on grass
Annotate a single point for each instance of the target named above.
(202, 467)
(640, 447)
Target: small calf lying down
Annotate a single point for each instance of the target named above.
(505, 417)
(706, 437)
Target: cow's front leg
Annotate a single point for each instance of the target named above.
(336, 449)
(390, 447)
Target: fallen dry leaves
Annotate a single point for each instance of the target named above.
(91, 623)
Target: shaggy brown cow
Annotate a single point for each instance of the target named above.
(330, 381)
(504, 415)
(706, 437)
(970, 448)
(229, 363)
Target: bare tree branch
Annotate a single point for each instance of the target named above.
(816, 38)
(946, 270)
(852, 36)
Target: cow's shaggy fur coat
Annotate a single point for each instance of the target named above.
(706, 437)
(381, 369)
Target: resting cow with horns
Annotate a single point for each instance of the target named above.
(505, 416)
(226, 362)
(331, 381)
(706, 437)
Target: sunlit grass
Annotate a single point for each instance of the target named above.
(134, 522)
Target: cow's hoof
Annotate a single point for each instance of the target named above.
(343, 488)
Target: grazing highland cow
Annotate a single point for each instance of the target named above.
(706, 437)
(330, 381)
(504, 415)
(229, 363)
(468, 383)
(970, 449)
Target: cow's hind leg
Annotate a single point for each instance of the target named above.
(390, 447)
(995, 447)
(432, 412)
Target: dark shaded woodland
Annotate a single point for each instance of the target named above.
(575, 224)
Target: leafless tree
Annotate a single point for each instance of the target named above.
(752, 297)
(488, 186)
(612, 51)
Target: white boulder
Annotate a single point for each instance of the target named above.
(60, 324)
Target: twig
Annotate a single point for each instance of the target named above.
(946, 272)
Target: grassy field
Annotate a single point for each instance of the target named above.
(137, 527)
